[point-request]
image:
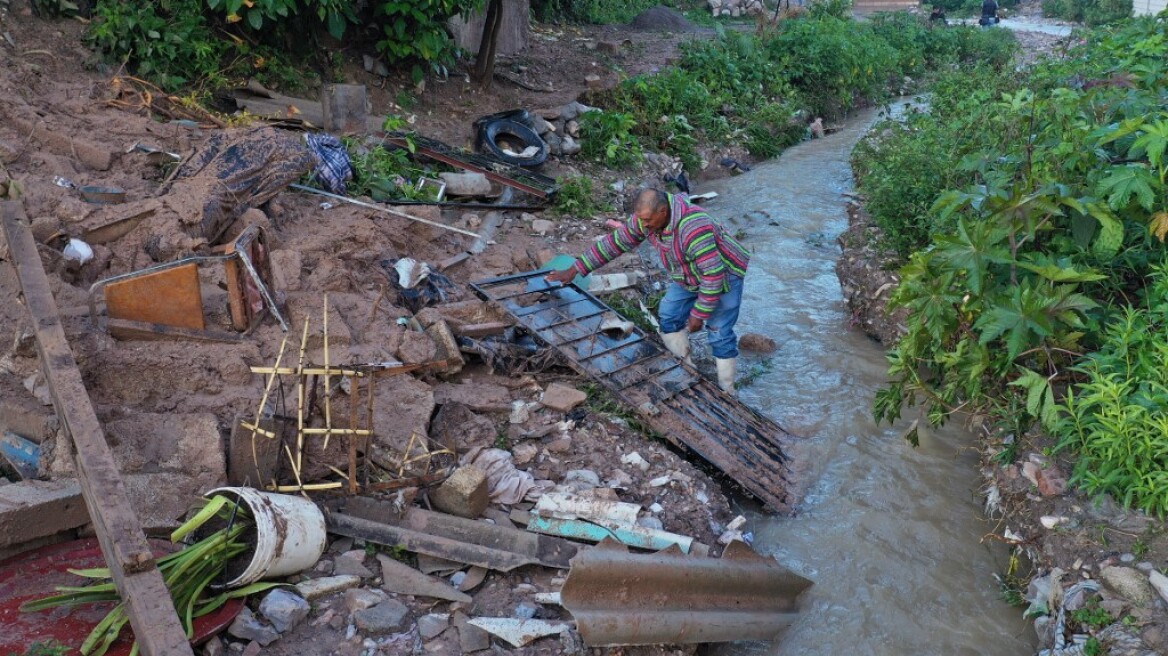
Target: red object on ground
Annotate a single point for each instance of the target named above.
(36, 574)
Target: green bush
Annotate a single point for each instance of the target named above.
(596, 12)
(169, 42)
(416, 31)
(1091, 12)
(1049, 217)
(1114, 420)
(607, 137)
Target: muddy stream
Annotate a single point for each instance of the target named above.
(890, 534)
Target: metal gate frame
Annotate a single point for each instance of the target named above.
(672, 398)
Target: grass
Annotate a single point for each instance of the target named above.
(50, 648)
(602, 402)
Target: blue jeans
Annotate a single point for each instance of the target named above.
(678, 303)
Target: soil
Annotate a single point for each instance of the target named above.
(61, 117)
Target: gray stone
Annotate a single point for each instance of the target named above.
(248, 627)
(387, 617)
(651, 522)
(541, 125)
(562, 398)
(575, 109)
(464, 493)
(214, 647)
(1128, 583)
(470, 637)
(1160, 583)
(284, 609)
(543, 226)
(582, 478)
(361, 598)
(525, 611)
(347, 564)
(432, 625)
(253, 648)
(569, 146)
(466, 184)
(317, 588)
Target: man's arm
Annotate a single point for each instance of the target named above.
(622, 240)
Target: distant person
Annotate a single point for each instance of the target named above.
(989, 13)
(937, 15)
(816, 128)
(707, 266)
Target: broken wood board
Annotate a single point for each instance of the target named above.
(453, 538)
(670, 397)
(111, 223)
(125, 329)
(170, 298)
(670, 598)
(123, 544)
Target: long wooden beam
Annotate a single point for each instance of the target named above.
(135, 573)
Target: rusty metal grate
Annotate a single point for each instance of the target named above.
(673, 399)
(495, 169)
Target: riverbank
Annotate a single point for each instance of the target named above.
(1059, 536)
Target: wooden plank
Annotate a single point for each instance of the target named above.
(170, 297)
(135, 573)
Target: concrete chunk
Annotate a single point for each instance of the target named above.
(317, 588)
(464, 494)
(562, 398)
(30, 510)
(400, 578)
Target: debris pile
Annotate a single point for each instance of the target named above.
(229, 324)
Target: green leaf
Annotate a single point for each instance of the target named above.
(1039, 396)
(1124, 182)
(1110, 238)
(973, 250)
(1055, 273)
(336, 24)
(255, 18)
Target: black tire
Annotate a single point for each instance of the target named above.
(497, 133)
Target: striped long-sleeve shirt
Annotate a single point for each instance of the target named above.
(695, 250)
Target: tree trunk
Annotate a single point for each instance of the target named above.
(485, 63)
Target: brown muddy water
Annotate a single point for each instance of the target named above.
(891, 535)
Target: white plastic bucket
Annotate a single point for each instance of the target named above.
(290, 534)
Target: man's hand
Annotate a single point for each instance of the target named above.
(694, 324)
(563, 277)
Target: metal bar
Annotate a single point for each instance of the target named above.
(527, 311)
(575, 318)
(123, 544)
(381, 208)
(639, 338)
(259, 283)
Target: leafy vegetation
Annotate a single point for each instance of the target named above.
(1035, 270)
(1090, 12)
(188, 574)
(607, 137)
(596, 12)
(214, 42)
(576, 198)
(761, 90)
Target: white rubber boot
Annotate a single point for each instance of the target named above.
(727, 372)
(678, 344)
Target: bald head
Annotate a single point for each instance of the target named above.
(652, 206)
(648, 200)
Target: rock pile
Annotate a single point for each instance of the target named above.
(736, 8)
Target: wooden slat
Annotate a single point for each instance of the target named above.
(135, 573)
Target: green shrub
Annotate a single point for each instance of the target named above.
(416, 31)
(596, 12)
(1091, 12)
(1114, 420)
(607, 137)
(169, 42)
(576, 198)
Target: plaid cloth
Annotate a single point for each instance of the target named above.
(333, 168)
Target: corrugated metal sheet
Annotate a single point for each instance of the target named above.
(673, 399)
(620, 598)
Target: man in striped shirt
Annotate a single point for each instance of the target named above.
(706, 264)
